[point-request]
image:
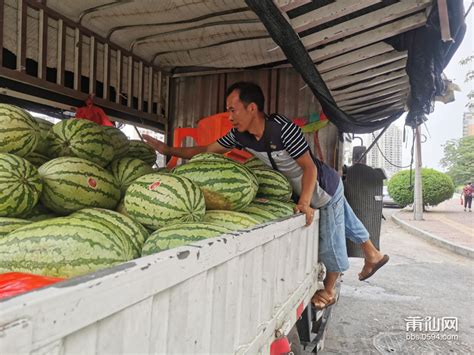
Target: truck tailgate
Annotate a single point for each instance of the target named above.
(229, 294)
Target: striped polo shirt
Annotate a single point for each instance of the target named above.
(287, 144)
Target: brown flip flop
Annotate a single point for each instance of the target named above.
(323, 305)
(375, 268)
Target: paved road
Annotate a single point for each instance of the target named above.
(420, 280)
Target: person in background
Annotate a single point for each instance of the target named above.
(467, 194)
(93, 113)
(280, 144)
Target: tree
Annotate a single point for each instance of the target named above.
(470, 73)
(437, 187)
(469, 77)
(459, 159)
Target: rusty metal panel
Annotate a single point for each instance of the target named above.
(328, 142)
(195, 97)
(295, 99)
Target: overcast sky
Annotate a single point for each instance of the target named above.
(446, 121)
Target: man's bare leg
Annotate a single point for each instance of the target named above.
(372, 258)
(326, 296)
(371, 254)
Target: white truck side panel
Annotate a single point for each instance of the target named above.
(81, 342)
(222, 295)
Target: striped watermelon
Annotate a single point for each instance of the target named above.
(210, 156)
(254, 162)
(62, 247)
(81, 138)
(157, 199)
(252, 176)
(157, 169)
(19, 132)
(230, 219)
(37, 159)
(71, 184)
(226, 185)
(180, 234)
(20, 185)
(8, 225)
(38, 213)
(141, 150)
(278, 208)
(119, 141)
(273, 185)
(127, 170)
(259, 213)
(43, 142)
(117, 223)
(121, 208)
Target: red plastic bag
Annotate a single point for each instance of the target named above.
(14, 283)
(93, 113)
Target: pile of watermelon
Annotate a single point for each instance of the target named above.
(76, 197)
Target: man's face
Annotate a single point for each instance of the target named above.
(239, 115)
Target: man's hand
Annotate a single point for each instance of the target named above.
(307, 210)
(159, 146)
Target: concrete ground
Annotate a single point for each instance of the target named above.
(448, 222)
(421, 280)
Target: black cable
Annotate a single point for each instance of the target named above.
(395, 165)
(469, 9)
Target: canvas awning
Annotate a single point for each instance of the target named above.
(360, 50)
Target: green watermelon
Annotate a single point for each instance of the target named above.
(117, 223)
(259, 213)
(278, 208)
(71, 184)
(20, 185)
(63, 247)
(8, 225)
(226, 185)
(38, 213)
(141, 150)
(273, 185)
(81, 138)
(180, 234)
(252, 176)
(254, 162)
(19, 132)
(157, 199)
(127, 170)
(230, 219)
(121, 208)
(43, 142)
(210, 156)
(37, 159)
(119, 141)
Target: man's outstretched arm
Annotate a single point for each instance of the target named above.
(183, 152)
(308, 183)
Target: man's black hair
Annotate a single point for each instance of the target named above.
(248, 92)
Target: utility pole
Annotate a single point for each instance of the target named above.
(418, 193)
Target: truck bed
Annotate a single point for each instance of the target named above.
(230, 294)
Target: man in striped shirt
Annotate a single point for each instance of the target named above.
(280, 144)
